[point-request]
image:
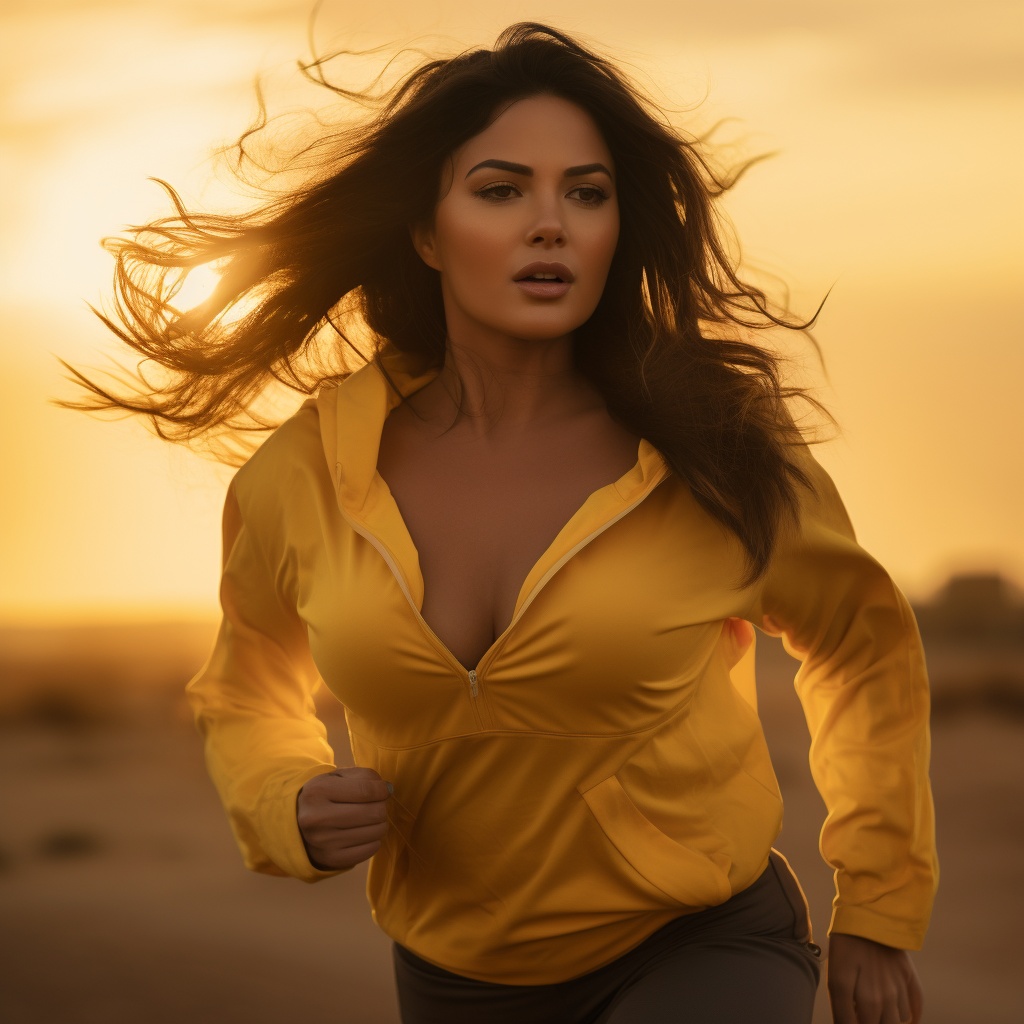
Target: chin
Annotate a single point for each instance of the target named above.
(538, 328)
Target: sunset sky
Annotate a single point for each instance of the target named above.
(898, 181)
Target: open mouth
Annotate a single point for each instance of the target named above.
(539, 271)
(545, 280)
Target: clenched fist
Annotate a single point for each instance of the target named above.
(869, 983)
(342, 817)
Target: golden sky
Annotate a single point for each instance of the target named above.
(898, 181)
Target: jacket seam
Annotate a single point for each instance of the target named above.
(522, 732)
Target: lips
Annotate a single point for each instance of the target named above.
(560, 270)
(547, 286)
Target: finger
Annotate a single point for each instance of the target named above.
(355, 788)
(903, 1007)
(349, 857)
(915, 997)
(737, 636)
(867, 998)
(348, 814)
(840, 995)
(314, 815)
(344, 838)
(357, 772)
(325, 841)
(843, 1011)
(891, 1006)
(742, 632)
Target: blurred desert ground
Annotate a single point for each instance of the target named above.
(125, 899)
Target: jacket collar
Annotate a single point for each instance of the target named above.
(352, 416)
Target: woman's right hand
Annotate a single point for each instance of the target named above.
(342, 817)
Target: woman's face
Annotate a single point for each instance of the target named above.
(531, 195)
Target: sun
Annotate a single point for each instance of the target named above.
(197, 287)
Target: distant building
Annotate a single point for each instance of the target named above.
(977, 608)
(973, 634)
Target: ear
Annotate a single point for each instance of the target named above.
(425, 243)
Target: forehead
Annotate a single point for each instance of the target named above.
(540, 131)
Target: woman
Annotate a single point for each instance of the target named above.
(522, 545)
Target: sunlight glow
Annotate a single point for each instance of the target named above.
(878, 189)
(197, 287)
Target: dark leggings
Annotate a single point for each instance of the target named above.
(746, 961)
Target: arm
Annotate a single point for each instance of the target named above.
(864, 690)
(253, 705)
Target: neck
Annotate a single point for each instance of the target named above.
(509, 386)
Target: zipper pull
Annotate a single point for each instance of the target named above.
(472, 681)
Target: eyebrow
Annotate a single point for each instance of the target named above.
(507, 165)
(575, 172)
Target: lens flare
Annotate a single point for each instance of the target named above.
(196, 288)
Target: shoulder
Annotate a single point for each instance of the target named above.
(818, 499)
(289, 464)
(819, 553)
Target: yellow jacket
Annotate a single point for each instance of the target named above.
(600, 771)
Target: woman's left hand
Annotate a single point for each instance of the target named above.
(869, 983)
(738, 636)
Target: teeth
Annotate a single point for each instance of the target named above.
(544, 277)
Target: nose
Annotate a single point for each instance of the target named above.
(552, 235)
(547, 230)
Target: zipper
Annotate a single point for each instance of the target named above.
(494, 649)
(473, 674)
(457, 665)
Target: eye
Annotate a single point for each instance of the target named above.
(498, 192)
(589, 195)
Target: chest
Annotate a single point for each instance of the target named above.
(481, 514)
(616, 637)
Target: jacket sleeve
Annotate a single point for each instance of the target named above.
(864, 691)
(253, 705)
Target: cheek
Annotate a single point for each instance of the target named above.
(601, 241)
(596, 242)
(473, 248)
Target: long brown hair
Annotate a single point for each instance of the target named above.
(330, 259)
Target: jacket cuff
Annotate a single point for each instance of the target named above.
(871, 924)
(279, 827)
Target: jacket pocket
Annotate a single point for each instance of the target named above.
(688, 876)
(391, 864)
